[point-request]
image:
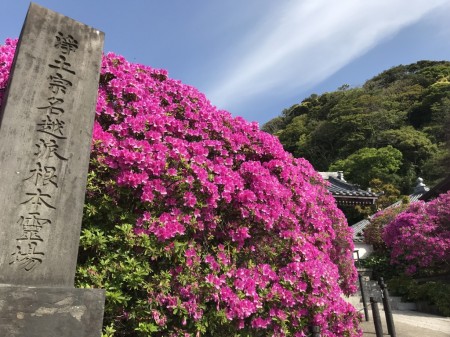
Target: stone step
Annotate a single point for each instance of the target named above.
(396, 303)
(372, 289)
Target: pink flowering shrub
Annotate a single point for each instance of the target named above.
(6, 59)
(374, 231)
(199, 224)
(419, 237)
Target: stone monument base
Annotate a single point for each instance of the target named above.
(50, 312)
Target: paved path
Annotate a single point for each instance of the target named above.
(411, 324)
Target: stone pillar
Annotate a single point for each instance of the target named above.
(45, 135)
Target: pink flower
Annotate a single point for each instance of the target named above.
(189, 199)
(225, 218)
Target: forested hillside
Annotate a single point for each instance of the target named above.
(392, 129)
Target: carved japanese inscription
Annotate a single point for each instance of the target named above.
(45, 133)
(42, 180)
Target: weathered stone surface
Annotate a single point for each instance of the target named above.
(45, 135)
(51, 312)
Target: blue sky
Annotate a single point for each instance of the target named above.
(255, 58)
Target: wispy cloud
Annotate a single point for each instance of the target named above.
(301, 43)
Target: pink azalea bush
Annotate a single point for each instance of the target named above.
(373, 233)
(6, 59)
(199, 224)
(419, 237)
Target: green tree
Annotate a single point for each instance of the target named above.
(274, 125)
(423, 113)
(291, 135)
(407, 107)
(370, 163)
(415, 145)
(436, 168)
(320, 144)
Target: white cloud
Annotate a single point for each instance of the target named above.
(300, 43)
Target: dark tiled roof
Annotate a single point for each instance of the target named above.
(358, 230)
(412, 198)
(340, 187)
(346, 193)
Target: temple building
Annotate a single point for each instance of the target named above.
(347, 194)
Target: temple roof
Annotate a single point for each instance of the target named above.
(347, 194)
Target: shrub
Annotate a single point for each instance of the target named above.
(435, 293)
(373, 232)
(419, 237)
(380, 265)
(197, 223)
